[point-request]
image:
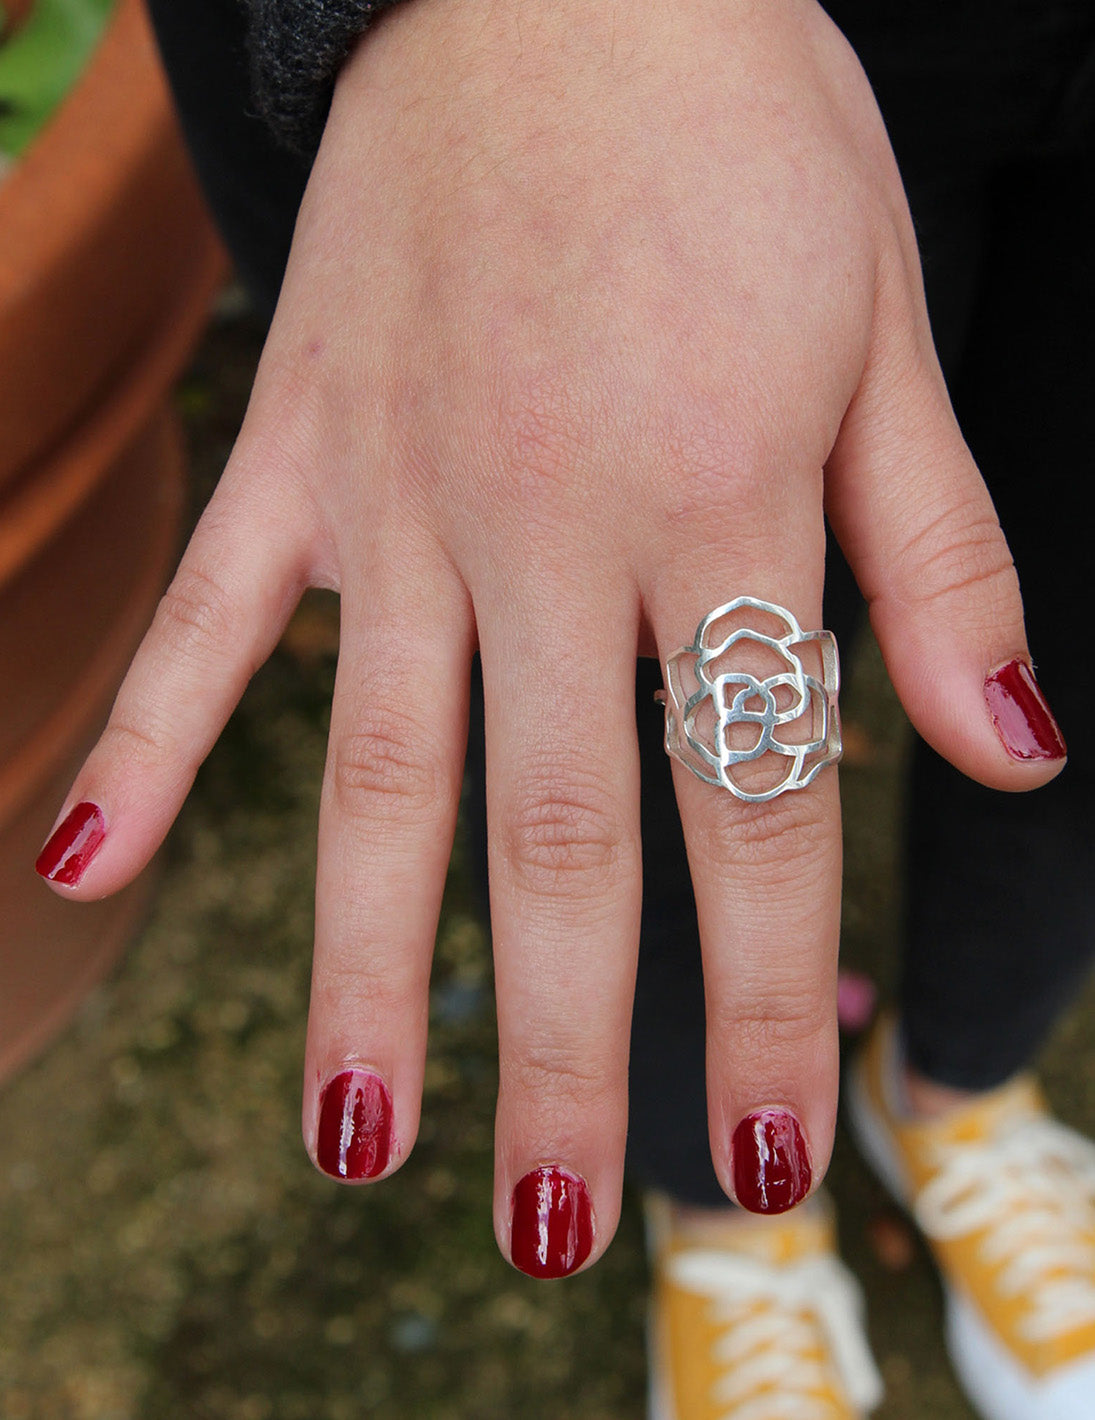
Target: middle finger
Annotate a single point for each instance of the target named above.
(563, 818)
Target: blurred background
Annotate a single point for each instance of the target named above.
(166, 1249)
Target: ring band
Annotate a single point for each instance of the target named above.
(743, 696)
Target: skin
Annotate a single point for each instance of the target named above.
(591, 310)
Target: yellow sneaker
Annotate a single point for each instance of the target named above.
(755, 1318)
(1005, 1196)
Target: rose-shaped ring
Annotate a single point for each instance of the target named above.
(754, 708)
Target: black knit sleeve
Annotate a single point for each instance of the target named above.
(296, 49)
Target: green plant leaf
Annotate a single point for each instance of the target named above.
(40, 64)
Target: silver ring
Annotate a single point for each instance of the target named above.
(763, 696)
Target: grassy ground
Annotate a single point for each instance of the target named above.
(166, 1249)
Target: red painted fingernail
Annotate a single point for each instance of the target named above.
(771, 1166)
(355, 1126)
(552, 1231)
(72, 845)
(1020, 714)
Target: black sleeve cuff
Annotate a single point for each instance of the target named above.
(296, 49)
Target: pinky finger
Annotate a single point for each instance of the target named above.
(236, 587)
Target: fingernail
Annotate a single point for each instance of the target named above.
(72, 845)
(552, 1231)
(1020, 714)
(355, 1126)
(771, 1165)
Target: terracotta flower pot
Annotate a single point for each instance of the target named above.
(107, 266)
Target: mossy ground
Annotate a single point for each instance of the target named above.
(166, 1249)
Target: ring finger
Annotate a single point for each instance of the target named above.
(766, 872)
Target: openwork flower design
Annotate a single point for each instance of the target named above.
(754, 710)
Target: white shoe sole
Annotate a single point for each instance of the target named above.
(659, 1401)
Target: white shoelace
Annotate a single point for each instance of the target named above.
(773, 1343)
(1031, 1188)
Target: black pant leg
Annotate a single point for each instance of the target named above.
(1001, 902)
(667, 1146)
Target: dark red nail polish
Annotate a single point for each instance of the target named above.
(771, 1166)
(355, 1126)
(1020, 714)
(552, 1231)
(72, 845)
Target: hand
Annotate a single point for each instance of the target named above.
(582, 302)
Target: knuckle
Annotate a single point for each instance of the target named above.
(567, 1073)
(562, 836)
(134, 743)
(784, 838)
(196, 614)
(721, 473)
(776, 1018)
(384, 768)
(539, 432)
(370, 987)
(960, 553)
